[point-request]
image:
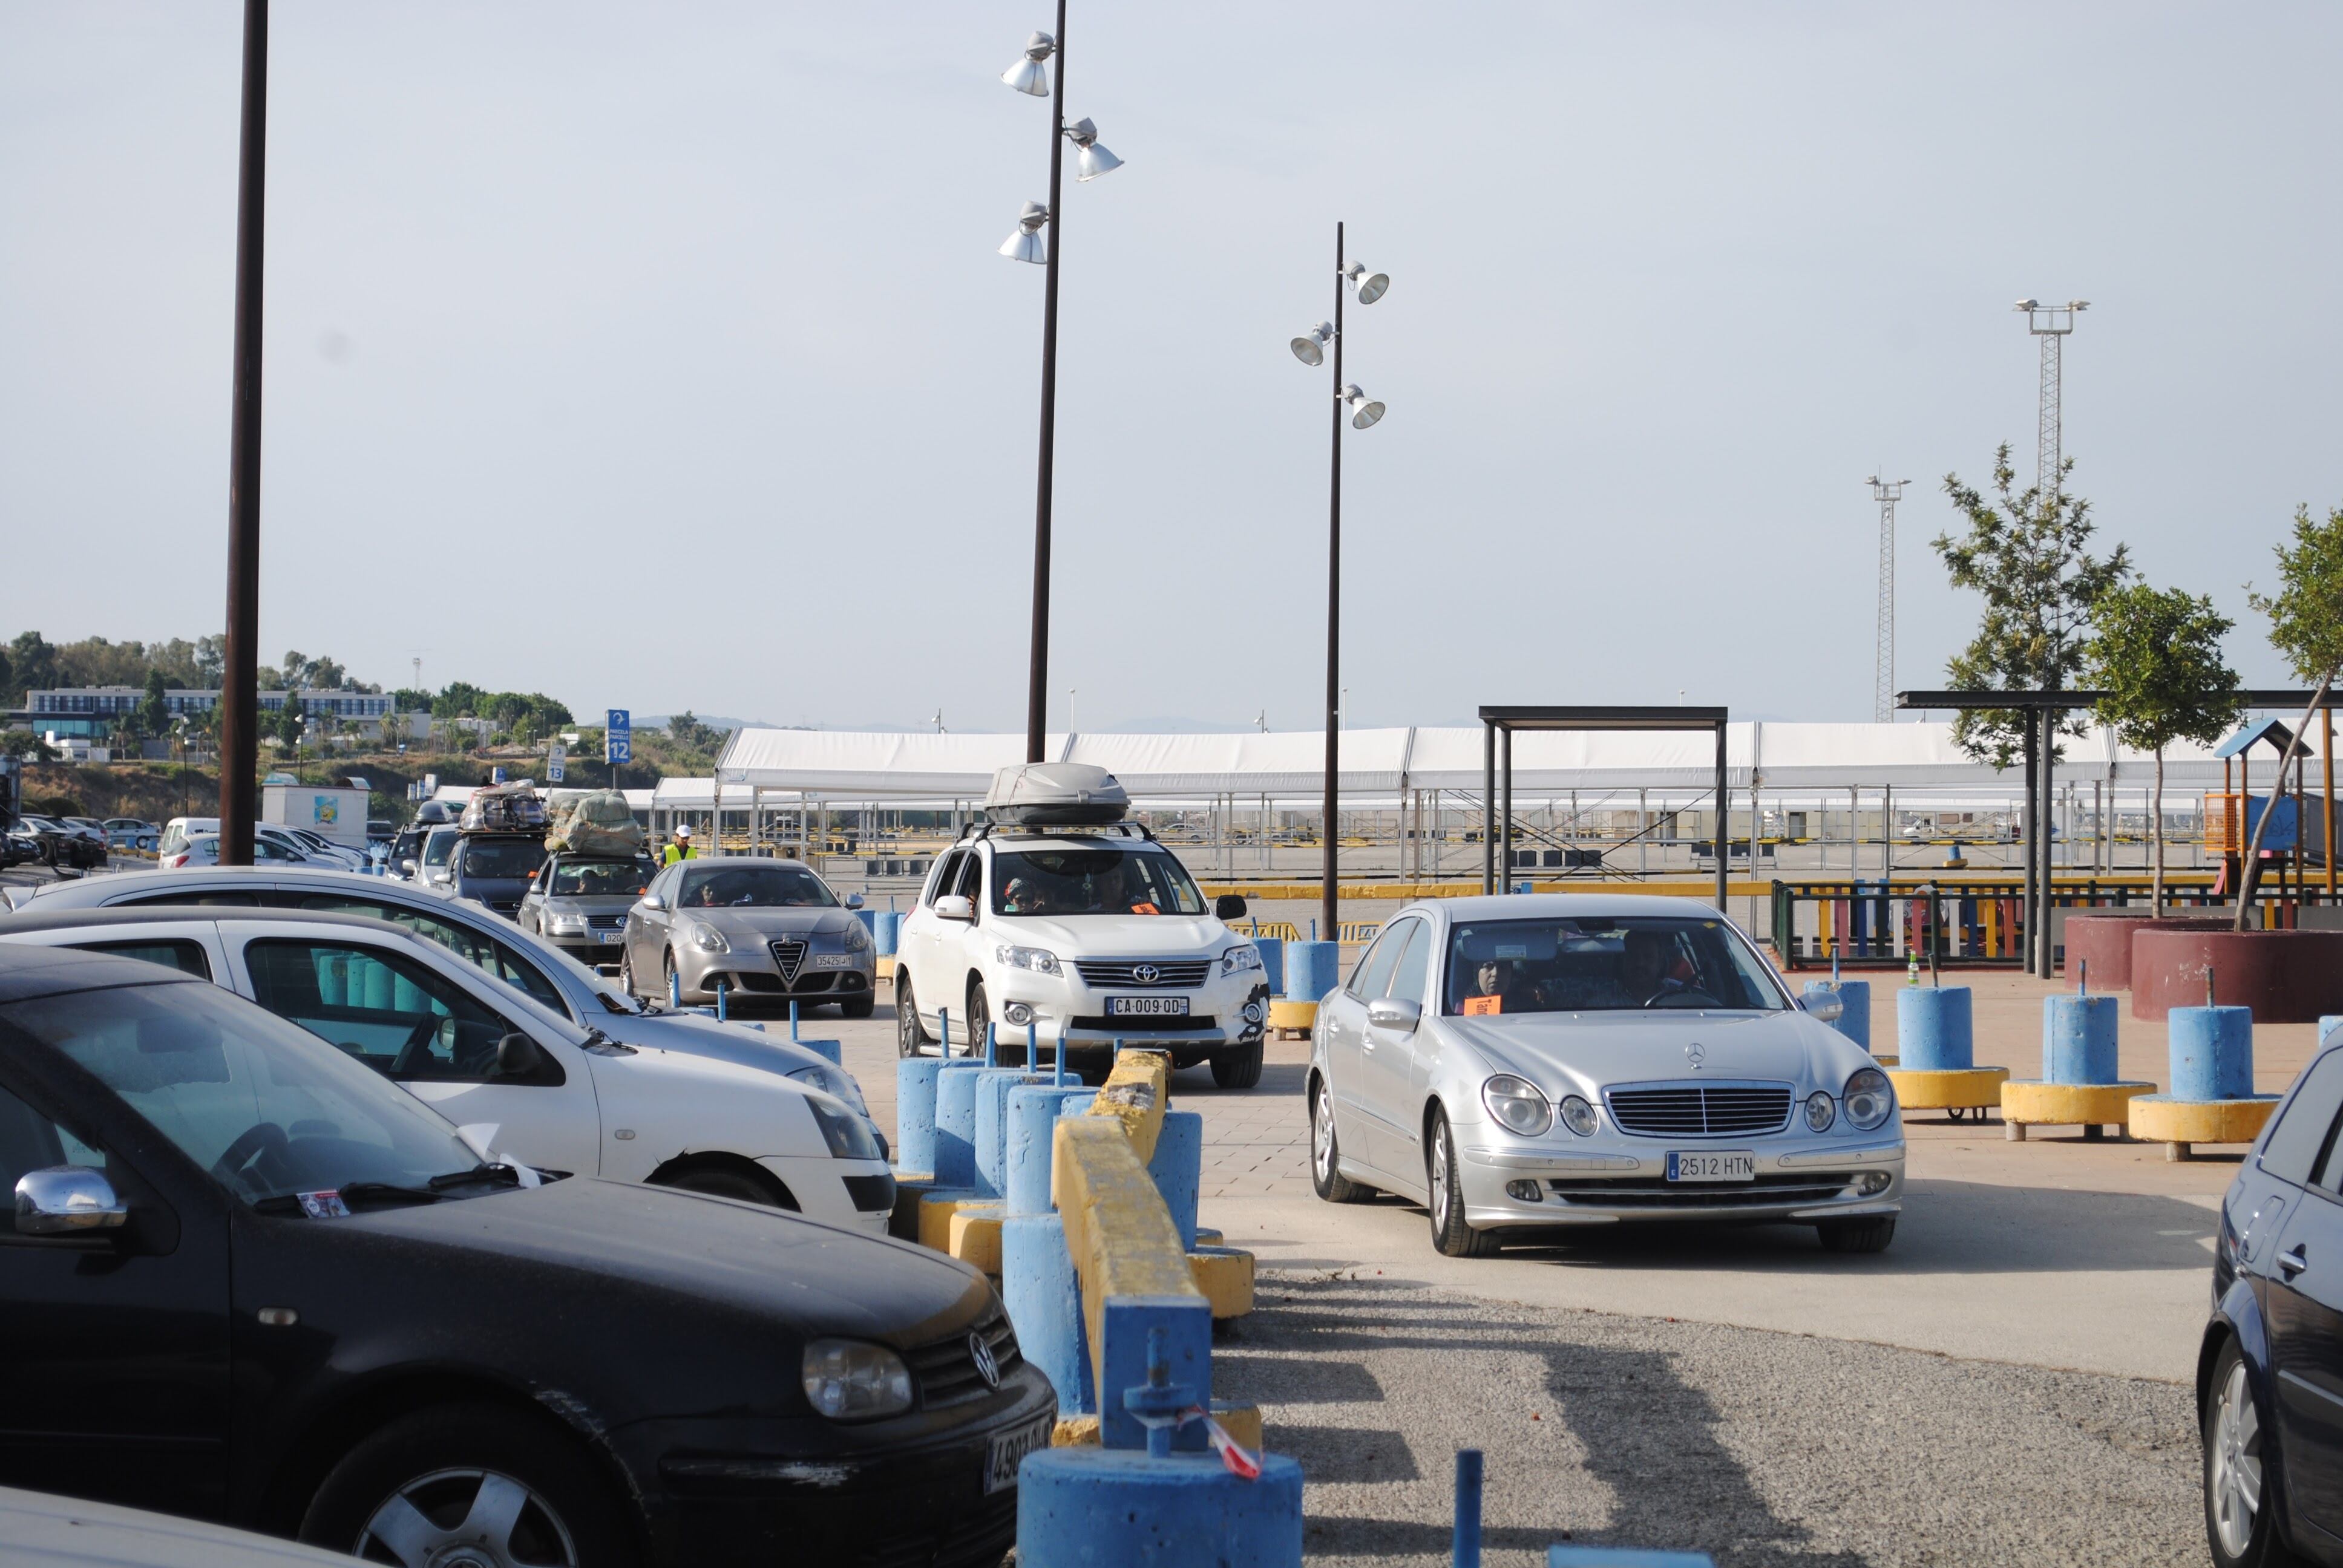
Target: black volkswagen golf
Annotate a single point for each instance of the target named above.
(249, 1279)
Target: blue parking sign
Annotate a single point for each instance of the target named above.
(618, 738)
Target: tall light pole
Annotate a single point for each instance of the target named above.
(1031, 74)
(239, 702)
(1311, 349)
(1887, 492)
(2051, 324)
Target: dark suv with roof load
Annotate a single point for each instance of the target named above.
(495, 869)
(260, 1283)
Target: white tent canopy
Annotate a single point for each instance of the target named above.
(868, 766)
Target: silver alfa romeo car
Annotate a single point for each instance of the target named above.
(767, 931)
(1532, 1062)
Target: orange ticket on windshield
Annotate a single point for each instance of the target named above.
(1145, 910)
(1479, 1006)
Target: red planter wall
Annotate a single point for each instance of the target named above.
(2286, 976)
(2104, 941)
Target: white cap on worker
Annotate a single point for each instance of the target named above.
(683, 832)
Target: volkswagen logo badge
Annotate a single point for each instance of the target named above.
(1146, 974)
(981, 1353)
(1695, 1053)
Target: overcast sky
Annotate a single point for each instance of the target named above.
(659, 355)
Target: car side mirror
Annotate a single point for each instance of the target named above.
(63, 1198)
(954, 907)
(653, 901)
(518, 1056)
(1824, 1005)
(608, 971)
(1391, 1013)
(1229, 907)
(853, 900)
(407, 868)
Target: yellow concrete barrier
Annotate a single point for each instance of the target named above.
(1293, 1017)
(1118, 1231)
(1954, 1089)
(1225, 1276)
(2180, 1124)
(2031, 1104)
(974, 1235)
(1135, 1094)
(936, 1212)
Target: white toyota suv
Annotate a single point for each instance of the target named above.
(1057, 918)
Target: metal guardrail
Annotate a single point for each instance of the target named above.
(1970, 924)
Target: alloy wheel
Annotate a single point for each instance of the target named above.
(466, 1519)
(1440, 1183)
(1322, 1134)
(2236, 1459)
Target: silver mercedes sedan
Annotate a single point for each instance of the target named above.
(1533, 1062)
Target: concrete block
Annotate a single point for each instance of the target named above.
(937, 1207)
(1033, 1112)
(2212, 1050)
(1853, 1019)
(915, 1113)
(1118, 1232)
(1178, 1170)
(1311, 970)
(1272, 961)
(1116, 1507)
(1934, 1029)
(956, 1122)
(1225, 1276)
(1038, 1287)
(973, 1236)
(1129, 1327)
(992, 1091)
(1135, 1095)
(886, 927)
(2078, 1039)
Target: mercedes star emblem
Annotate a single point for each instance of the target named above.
(1695, 1053)
(1146, 974)
(986, 1367)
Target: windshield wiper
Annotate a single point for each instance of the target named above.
(496, 1174)
(601, 1044)
(359, 1193)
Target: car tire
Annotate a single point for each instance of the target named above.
(857, 1006)
(668, 986)
(1237, 1067)
(738, 1185)
(1869, 1234)
(2237, 1466)
(979, 1019)
(911, 1036)
(627, 972)
(1326, 1178)
(1451, 1236)
(435, 1468)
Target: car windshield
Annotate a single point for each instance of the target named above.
(438, 846)
(1597, 963)
(754, 886)
(601, 878)
(267, 1108)
(1101, 881)
(503, 857)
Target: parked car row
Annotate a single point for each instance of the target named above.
(60, 843)
(334, 1194)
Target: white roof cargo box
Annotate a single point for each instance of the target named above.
(1055, 794)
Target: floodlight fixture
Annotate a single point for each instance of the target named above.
(1364, 412)
(1092, 160)
(1369, 285)
(1029, 74)
(1027, 244)
(1311, 346)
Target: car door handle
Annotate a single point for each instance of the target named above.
(2293, 1261)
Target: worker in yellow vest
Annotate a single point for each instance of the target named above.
(681, 849)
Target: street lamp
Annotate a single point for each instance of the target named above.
(1030, 73)
(1311, 348)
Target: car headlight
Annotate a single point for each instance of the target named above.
(858, 938)
(848, 1380)
(1820, 1111)
(1519, 1105)
(1869, 1099)
(1041, 960)
(567, 925)
(1238, 959)
(709, 940)
(1578, 1116)
(832, 1081)
(848, 1135)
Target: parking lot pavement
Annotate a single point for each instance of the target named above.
(1762, 1448)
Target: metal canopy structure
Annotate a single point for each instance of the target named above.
(1498, 724)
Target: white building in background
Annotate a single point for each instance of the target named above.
(87, 711)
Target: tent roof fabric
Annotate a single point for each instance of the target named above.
(852, 766)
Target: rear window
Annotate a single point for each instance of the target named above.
(180, 954)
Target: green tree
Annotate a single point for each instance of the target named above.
(2306, 616)
(458, 699)
(33, 665)
(288, 719)
(25, 747)
(155, 708)
(211, 661)
(2024, 552)
(2156, 654)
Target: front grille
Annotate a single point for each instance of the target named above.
(1148, 1027)
(1700, 1109)
(606, 922)
(774, 985)
(975, 1540)
(870, 1194)
(1658, 1193)
(788, 957)
(1181, 974)
(947, 1373)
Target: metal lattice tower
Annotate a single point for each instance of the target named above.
(1887, 492)
(2051, 324)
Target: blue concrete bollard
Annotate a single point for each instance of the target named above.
(993, 1087)
(915, 1114)
(1466, 1549)
(1853, 1019)
(1129, 1327)
(869, 919)
(1177, 1169)
(830, 1051)
(1933, 1028)
(1095, 1506)
(1311, 970)
(1033, 1112)
(1273, 962)
(2078, 1039)
(2212, 1052)
(955, 1122)
(1044, 1298)
(886, 929)
(1626, 1556)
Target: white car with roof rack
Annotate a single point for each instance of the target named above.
(1059, 917)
